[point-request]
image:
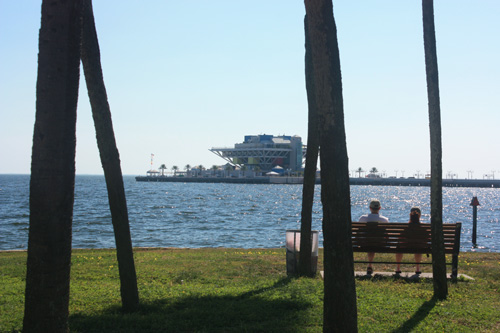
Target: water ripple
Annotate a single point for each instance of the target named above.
(231, 215)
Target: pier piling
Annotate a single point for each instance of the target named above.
(474, 203)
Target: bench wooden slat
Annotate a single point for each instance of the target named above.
(397, 237)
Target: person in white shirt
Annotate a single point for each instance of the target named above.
(374, 216)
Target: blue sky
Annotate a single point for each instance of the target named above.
(185, 76)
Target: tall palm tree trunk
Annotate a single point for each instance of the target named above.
(110, 159)
(340, 312)
(438, 255)
(53, 168)
(305, 267)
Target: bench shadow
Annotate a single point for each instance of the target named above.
(379, 277)
(408, 278)
(417, 317)
(244, 312)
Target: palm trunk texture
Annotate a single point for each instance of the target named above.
(340, 311)
(110, 159)
(431, 66)
(53, 168)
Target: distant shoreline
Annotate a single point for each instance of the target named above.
(485, 183)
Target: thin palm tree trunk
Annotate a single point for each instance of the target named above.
(110, 159)
(305, 266)
(431, 66)
(53, 169)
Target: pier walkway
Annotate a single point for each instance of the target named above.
(486, 183)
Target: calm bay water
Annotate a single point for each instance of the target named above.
(231, 215)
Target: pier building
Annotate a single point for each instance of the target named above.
(265, 152)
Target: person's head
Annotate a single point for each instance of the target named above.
(375, 206)
(415, 214)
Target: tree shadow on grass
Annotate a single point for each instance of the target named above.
(418, 316)
(245, 312)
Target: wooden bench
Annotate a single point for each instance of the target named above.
(396, 237)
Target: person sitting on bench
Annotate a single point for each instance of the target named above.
(415, 214)
(374, 216)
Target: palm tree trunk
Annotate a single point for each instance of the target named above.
(438, 255)
(110, 159)
(340, 312)
(53, 169)
(305, 267)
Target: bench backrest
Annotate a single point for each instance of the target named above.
(396, 237)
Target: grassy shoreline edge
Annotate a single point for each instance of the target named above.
(230, 289)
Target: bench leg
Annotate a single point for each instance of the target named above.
(454, 266)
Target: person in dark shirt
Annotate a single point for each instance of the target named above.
(415, 214)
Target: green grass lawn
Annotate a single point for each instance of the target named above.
(236, 290)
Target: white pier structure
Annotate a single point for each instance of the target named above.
(265, 152)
